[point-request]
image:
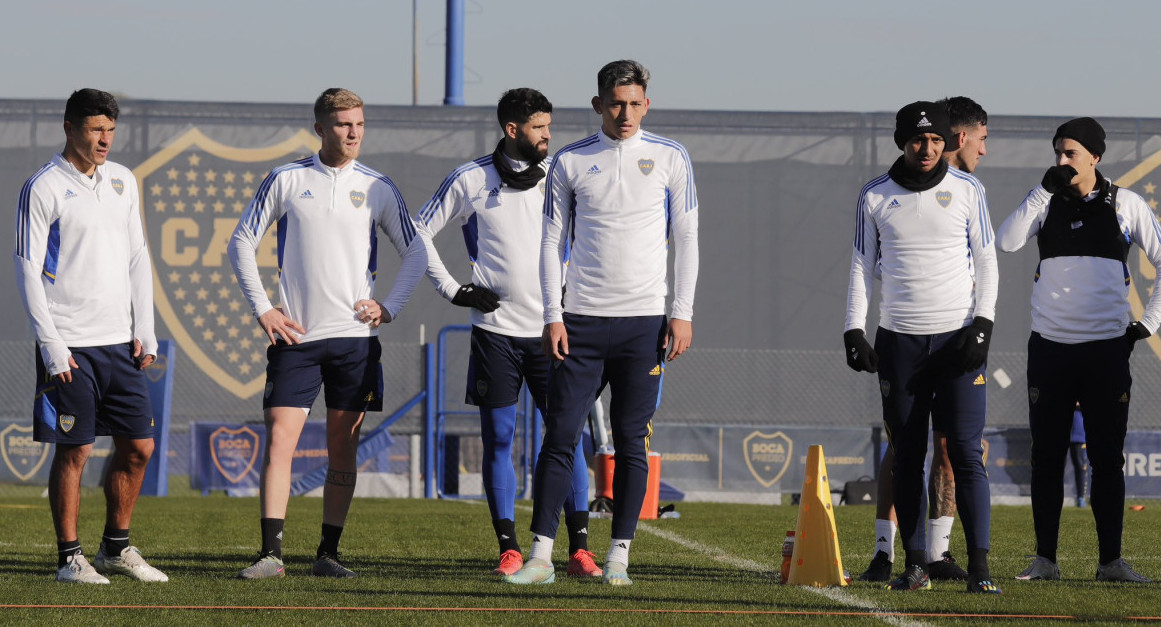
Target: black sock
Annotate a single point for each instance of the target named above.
(978, 564)
(506, 534)
(329, 545)
(916, 558)
(65, 550)
(116, 540)
(578, 531)
(272, 536)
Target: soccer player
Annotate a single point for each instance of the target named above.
(84, 274)
(969, 126)
(498, 200)
(1082, 335)
(327, 208)
(614, 202)
(924, 226)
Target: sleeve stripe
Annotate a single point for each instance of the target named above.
(253, 215)
(985, 218)
(428, 210)
(548, 195)
(690, 189)
(22, 208)
(860, 216)
(406, 226)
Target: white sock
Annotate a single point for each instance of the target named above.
(938, 537)
(619, 552)
(885, 537)
(541, 548)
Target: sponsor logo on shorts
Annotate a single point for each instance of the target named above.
(357, 198)
(768, 456)
(657, 371)
(980, 380)
(943, 198)
(646, 166)
(885, 387)
(481, 388)
(1033, 394)
(118, 186)
(66, 422)
(1124, 398)
(23, 455)
(269, 388)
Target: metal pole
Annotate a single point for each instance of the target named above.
(414, 52)
(454, 76)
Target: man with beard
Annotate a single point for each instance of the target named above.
(969, 127)
(498, 200)
(616, 200)
(1083, 333)
(924, 226)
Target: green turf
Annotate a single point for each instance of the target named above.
(437, 554)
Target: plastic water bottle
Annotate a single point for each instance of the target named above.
(787, 555)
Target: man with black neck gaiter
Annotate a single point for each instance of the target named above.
(925, 229)
(1083, 332)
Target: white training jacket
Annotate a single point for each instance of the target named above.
(502, 227)
(82, 266)
(327, 245)
(611, 208)
(935, 251)
(1081, 299)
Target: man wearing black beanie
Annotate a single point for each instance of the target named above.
(1082, 335)
(925, 228)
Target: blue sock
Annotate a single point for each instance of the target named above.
(497, 428)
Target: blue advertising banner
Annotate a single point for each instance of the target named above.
(159, 374)
(229, 456)
(27, 462)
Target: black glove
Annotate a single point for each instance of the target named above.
(860, 355)
(1136, 332)
(472, 295)
(1057, 177)
(972, 344)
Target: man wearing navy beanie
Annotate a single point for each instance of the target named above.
(926, 228)
(1083, 332)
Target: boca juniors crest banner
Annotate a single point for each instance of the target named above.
(193, 193)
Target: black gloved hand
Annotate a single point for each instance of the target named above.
(860, 355)
(1136, 332)
(1057, 177)
(972, 344)
(472, 295)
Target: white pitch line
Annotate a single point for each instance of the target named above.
(838, 595)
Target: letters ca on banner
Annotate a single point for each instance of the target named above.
(192, 194)
(768, 456)
(1145, 179)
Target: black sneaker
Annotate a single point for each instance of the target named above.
(879, 570)
(330, 566)
(946, 569)
(914, 578)
(983, 586)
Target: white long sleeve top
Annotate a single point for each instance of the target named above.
(610, 211)
(328, 221)
(935, 251)
(82, 265)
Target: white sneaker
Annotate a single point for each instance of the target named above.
(128, 563)
(77, 569)
(1042, 569)
(1119, 570)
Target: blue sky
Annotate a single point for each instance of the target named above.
(1034, 57)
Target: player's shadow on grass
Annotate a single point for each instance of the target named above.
(28, 564)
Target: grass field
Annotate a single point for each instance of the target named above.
(427, 562)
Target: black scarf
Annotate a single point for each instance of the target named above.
(525, 179)
(913, 180)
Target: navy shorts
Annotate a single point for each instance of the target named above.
(108, 396)
(347, 367)
(499, 364)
